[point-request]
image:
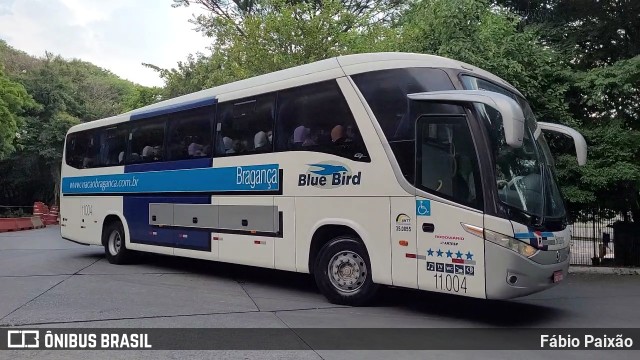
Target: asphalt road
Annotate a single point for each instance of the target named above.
(48, 282)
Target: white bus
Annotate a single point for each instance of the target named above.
(395, 169)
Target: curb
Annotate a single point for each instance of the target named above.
(603, 270)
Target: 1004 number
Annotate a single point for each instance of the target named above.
(450, 282)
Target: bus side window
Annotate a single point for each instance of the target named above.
(113, 144)
(317, 118)
(386, 94)
(83, 149)
(70, 150)
(245, 126)
(190, 134)
(147, 139)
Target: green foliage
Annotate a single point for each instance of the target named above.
(470, 31)
(13, 213)
(611, 92)
(14, 101)
(275, 35)
(591, 33)
(56, 94)
(602, 40)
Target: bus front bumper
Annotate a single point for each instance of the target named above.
(509, 274)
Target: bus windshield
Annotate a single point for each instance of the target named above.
(524, 176)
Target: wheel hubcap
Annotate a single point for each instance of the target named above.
(115, 243)
(347, 271)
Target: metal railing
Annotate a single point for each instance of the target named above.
(588, 241)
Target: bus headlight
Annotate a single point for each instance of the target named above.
(516, 245)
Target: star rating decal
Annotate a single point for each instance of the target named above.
(458, 254)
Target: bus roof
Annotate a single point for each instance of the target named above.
(345, 65)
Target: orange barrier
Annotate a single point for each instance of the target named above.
(24, 223)
(38, 209)
(8, 224)
(48, 216)
(55, 213)
(15, 224)
(50, 219)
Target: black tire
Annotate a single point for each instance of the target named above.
(350, 282)
(115, 249)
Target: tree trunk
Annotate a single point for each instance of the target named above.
(55, 173)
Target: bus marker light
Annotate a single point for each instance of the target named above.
(404, 243)
(259, 242)
(411, 256)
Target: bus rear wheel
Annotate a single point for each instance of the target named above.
(115, 248)
(343, 272)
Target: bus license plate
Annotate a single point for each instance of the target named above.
(558, 276)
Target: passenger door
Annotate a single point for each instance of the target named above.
(448, 203)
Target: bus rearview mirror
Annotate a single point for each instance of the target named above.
(510, 110)
(578, 139)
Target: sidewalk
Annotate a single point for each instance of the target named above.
(580, 269)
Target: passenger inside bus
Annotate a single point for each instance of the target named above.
(228, 145)
(261, 142)
(299, 136)
(338, 135)
(195, 149)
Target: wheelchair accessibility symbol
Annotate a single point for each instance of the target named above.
(423, 207)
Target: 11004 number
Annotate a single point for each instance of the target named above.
(450, 282)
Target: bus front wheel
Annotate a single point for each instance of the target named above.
(343, 272)
(115, 248)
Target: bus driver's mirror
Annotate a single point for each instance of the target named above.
(512, 114)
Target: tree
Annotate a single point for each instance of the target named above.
(608, 99)
(602, 39)
(473, 32)
(593, 33)
(274, 35)
(14, 101)
(64, 93)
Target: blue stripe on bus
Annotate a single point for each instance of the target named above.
(527, 235)
(250, 178)
(169, 165)
(136, 210)
(188, 105)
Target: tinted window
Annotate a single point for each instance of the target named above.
(317, 117)
(446, 161)
(245, 126)
(146, 139)
(190, 134)
(83, 149)
(386, 93)
(113, 146)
